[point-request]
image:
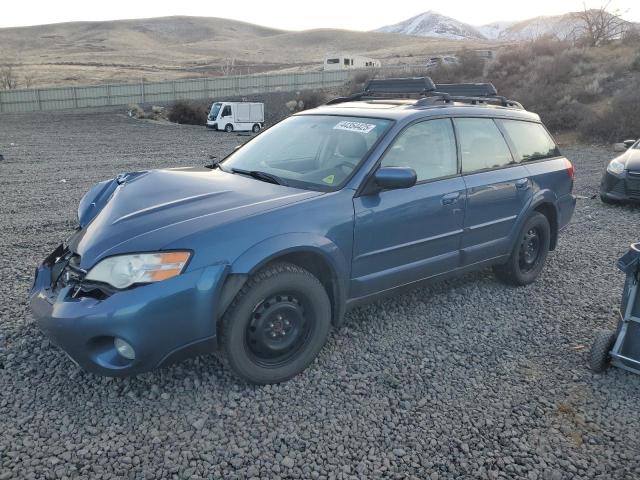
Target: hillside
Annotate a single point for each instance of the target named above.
(435, 25)
(177, 47)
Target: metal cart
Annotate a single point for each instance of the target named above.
(622, 347)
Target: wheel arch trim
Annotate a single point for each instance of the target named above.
(282, 246)
(541, 199)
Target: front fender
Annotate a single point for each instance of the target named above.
(263, 252)
(278, 246)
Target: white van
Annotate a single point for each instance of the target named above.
(236, 116)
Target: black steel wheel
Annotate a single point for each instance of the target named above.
(228, 128)
(530, 249)
(277, 329)
(276, 325)
(529, 253)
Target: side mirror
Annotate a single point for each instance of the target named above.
(395, 177)
(629, 143)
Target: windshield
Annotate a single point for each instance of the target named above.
(215, 108)
(310, 151)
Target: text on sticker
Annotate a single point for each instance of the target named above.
(360, 127)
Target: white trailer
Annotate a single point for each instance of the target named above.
(236, 116)
(346, 61)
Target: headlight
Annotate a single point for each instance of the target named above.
(616, 167)
(123, 271)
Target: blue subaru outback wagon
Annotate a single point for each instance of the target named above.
(258, 256)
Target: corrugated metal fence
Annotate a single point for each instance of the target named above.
(34, 100)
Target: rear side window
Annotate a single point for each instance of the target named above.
(427, 147)
(482, 145)
(531, 140)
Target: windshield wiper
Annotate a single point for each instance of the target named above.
(257, 174)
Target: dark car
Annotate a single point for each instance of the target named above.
(621, 180)
(262, 254)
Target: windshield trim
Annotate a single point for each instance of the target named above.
(314, 186)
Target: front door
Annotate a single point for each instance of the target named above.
(406, 235)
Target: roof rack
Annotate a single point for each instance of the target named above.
(428, 93)
(467, 89)
(406, 86)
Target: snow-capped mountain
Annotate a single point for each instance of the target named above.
(563, 27)
(433, 24)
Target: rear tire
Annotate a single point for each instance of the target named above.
(599, 358)
(256, 128)
(529, 254)
(276, 325)
(228, 128)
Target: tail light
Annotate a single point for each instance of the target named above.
(570, 169)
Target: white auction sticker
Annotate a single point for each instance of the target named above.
(355, 126)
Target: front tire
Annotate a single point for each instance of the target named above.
(276, 325)
(228, 128)
(529, 254)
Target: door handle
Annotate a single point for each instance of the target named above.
(450, 198)
(522, 184)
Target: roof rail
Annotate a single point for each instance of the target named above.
(429, 93)
(468, 89)
(436, 97)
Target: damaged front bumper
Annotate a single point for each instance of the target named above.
(624, 187)
(163, 322)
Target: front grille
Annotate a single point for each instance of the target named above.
(618, 188)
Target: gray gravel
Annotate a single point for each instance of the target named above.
(463, 379)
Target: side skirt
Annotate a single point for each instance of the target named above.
(358, 301)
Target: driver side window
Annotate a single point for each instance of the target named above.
(428, 147)
(226, 111)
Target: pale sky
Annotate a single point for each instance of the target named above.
(296, 15)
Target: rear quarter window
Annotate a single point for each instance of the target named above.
(531, 140)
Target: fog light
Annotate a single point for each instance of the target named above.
(124, 348)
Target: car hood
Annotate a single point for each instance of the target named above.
(141, 211)
(632, 159)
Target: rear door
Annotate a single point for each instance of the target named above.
(405, 235)
(498, 189)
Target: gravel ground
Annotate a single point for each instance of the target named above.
(462, 379)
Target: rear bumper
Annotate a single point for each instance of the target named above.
(163, 322)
